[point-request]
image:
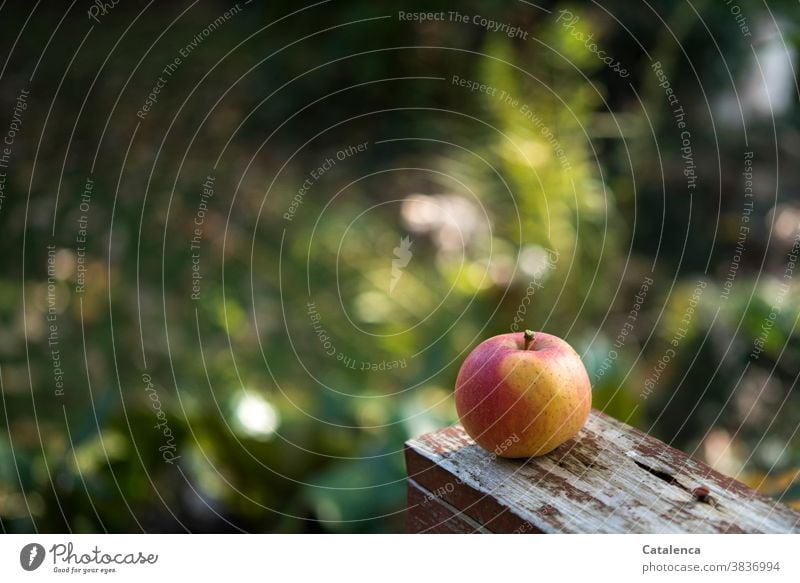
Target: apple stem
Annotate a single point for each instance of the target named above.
(529, 336)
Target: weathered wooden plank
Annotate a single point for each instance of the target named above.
(609, 478)
(426, 513)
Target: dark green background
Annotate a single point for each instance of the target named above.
(306, 87)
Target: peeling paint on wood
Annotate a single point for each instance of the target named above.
(609, 478)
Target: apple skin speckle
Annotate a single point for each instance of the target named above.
(523, 403)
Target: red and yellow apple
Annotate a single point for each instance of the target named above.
(523, 394)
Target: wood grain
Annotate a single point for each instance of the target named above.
(430, 514)
(610, 478)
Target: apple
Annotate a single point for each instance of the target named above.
(523, 394)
